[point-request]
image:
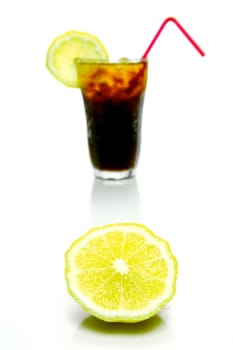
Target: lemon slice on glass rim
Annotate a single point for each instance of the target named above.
(65, 48)
(121, 272)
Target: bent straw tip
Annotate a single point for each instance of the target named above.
(175, 21)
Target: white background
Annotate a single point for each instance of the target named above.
(183, 189)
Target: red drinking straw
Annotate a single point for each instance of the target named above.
(172, 19)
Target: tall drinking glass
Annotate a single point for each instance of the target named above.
(113, 95)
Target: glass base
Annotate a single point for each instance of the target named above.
(114, 175)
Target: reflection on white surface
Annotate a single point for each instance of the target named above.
(114, 201)
(95, 333)
(95, 325)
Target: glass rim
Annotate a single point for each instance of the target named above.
(79, 60)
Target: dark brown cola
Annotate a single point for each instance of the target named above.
(113, 95)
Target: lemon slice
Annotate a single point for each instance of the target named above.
(121, 272)
(65, 48)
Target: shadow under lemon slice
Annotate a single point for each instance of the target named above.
(121, 272)
(64, 49)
